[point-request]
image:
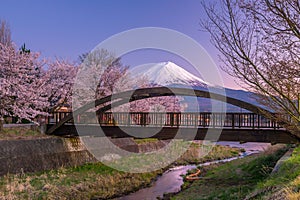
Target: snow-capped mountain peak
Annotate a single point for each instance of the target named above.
(167, 73)
(170, 74)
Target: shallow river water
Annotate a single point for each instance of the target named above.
(171, 180)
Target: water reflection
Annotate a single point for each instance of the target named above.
(169, 182)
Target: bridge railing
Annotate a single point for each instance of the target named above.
(172, 119)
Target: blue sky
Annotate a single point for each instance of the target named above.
(68, 28)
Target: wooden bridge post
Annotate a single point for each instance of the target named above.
(232, 120)
(177, 119)
(143, 119)
(253, 120)
(172, 119)
(258, 121)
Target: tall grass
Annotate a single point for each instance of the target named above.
(84, 182)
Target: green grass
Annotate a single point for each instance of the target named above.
(19, 133)
(177, 153)
(89, 180)
(97, 168)
(145, 140)
(82, 182)
(286, 181)
(288, 171)
(201, 153)
(233, 180)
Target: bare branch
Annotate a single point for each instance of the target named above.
(260, 45)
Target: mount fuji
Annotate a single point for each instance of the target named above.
(170, 74)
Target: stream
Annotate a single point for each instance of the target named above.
(171, 180)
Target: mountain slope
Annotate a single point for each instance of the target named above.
(167, 73)
(170, 74)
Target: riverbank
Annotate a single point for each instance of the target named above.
(284, 184)
(248, 178)
(20, 131)
(92, 180)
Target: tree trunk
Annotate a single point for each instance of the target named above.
(1, 123)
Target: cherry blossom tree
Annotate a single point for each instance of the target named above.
(28, 90)
(157, 104)
(103, 74)
(96, 68)
(21, 84)
(58, 81)
(128, 81)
